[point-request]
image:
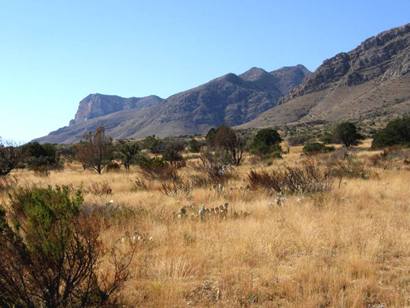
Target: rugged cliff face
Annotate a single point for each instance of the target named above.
(96, 105)
(371, 80)
(230, 99)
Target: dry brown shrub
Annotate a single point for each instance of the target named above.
(7, 183)
(176, 187)
(306, 178)
(100, 189)
(161, 172)
(139, 184)
(215, 166)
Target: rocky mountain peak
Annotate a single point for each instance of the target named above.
(254, 73)
(382, 56)
(96, 105)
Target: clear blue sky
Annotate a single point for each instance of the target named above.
(53, 53)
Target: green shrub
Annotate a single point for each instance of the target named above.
(266, 142)
(172, 152)
(49, 251)
(9, 159)
(312, 148)
(397, 132)
(153, 144)
(41, 157)
(157, 168)
(194, 146)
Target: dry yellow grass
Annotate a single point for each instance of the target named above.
(346, 248)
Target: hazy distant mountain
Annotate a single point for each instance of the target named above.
(230, 99)
(371, 81)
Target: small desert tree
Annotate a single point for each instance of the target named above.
(128, 152)
(96, 150)
(9, 158)
(172, 152)
(347, 134)
(49, 252)
(154, 144)
(194, 146)
(228, 141)
(210, 137)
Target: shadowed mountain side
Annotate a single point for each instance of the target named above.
(370, 81)
(230, 100)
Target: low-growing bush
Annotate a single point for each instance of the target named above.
(50, 251)
(312, 148)
(157, 168)
(350, 167)
(113, 167)
(7, 183)
(299, 139)
(9, 159)
(194, 146)
(176, 187)
(41, 158)
(100, 189)
(172, 153)
(397, 132)
(306, 178)
(391, 157)
(139, 185)
(215, 166)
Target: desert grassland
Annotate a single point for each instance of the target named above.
(349, 247)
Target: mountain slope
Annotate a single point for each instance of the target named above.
(96, 105)
(371, 81)
(229, 99)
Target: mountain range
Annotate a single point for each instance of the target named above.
(371, 81)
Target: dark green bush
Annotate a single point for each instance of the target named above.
(172, 152)
(153, 144)
(41, 157)
(9, 159)
(312, 148)
(397, 132)
(266, 142)
(194, 146)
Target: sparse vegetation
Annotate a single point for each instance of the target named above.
(312, 148)
(307, 178)
(335, 224)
